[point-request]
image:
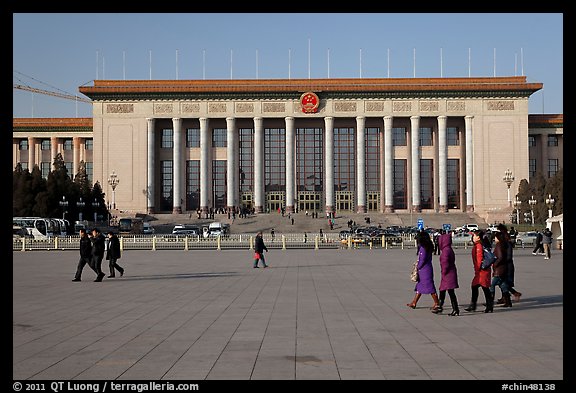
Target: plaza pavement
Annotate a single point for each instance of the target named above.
(313, 314)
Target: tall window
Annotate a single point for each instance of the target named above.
(453, 183)
(399, 136)
(344, 159)
(219, 183)
(246, 162)
(67, 144)
(531, 141)
(219, 137)
(68, 166)
(166, 177)
(167, 140)
(426, 184)
(552, 140)
(531, 168)
(24, 165)
(89, 166)
(372, 159)
(193, 137)
(425, 136)
(45, 169)
(274, 159)
(309, 165)
(552, 167)
(452, 136)
(400, 182)
(23, 144)
(45, 144)
(193, 184)
(89, 144)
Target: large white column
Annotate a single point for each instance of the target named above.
(442, 165)
(415, 153)
(258, 164)
(290, 180)
(75, 156)
(151, 165)
(31, 153)
(360, 164)
(469, 165)
(205, 164)
(177, 164)
(329, 163)
(231, 168)
(388, 166)
(53, 150)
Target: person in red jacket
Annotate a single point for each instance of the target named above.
(482, 278)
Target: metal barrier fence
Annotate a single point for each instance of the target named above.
(236, 241)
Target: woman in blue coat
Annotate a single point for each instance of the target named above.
(425, 284)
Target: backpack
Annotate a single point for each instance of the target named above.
(488, 258)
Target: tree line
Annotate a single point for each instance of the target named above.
(35, 196)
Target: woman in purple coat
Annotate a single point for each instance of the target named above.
(425, 284)
(449, 279)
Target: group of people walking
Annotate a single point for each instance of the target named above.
(500, 273)
(92, 249)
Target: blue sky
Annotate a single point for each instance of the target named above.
(62, 51)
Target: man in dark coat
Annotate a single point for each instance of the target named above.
(113, 254)
(98, 246)
(85, 255)
(259, 248)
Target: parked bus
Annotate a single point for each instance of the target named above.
(36, 227)
(131, 225)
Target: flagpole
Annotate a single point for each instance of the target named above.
(203, 63)
(150, 57)
(441, 65)
(124, 64)
(289, 61)
(308, 58)
(388, 52)
(176, 64)
(360, 62)
(328, 62)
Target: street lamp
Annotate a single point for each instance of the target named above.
(508, 179)
(550, 203)
(113, 182)
(80, 205)
(517, 204)
(95, 205)
(532, 202)
(64, 204)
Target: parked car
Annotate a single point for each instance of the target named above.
(186, 230)
(470, 227)
(462, 239)
(526, 238)
(148, 229)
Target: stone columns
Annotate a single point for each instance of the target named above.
(205, 164)
(329, 163)
(231, 163)
(177, 164)
(415, 153)
(360, 164)
(388, 166)
(151, 144)
(53, 150)
(258, 164)
(442, 165)
(31, 153)
(290, 179)
(75, 155)
(469, 165)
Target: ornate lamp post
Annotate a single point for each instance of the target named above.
(508, 179)
(532, 203)
(517, 204)
(80, 205)
(64, 204)
(550, 203)
(113, 182)
(95, 205)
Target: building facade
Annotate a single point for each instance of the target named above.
(324, 145)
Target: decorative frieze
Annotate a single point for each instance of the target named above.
(119, 108)
(428, 106)
(344, 106)
(216, 107)
(501, 105)
(401, 106)
(190, 107)
(372, 106)
(273, 107)
(243, 107)
(452, 106)
(163, 108)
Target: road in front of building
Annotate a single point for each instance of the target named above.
(313, 314)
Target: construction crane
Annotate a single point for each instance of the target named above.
(51, 93)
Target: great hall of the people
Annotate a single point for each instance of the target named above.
(324, 145)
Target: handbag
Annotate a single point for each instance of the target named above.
(256, 255)
(488, 258)
(414, 274)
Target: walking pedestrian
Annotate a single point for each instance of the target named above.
(449, 273)
(547, 242)
(272, 233)
(425, 284)
(500, 269)
(482, 277)
(538, 246)
(511, 269)
(85, 255)
(98, 245)
(259, 248)
(113, 254)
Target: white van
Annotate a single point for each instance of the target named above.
(215, 229)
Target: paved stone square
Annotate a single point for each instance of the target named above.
(313, 314)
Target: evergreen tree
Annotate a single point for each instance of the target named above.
(22, 196)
